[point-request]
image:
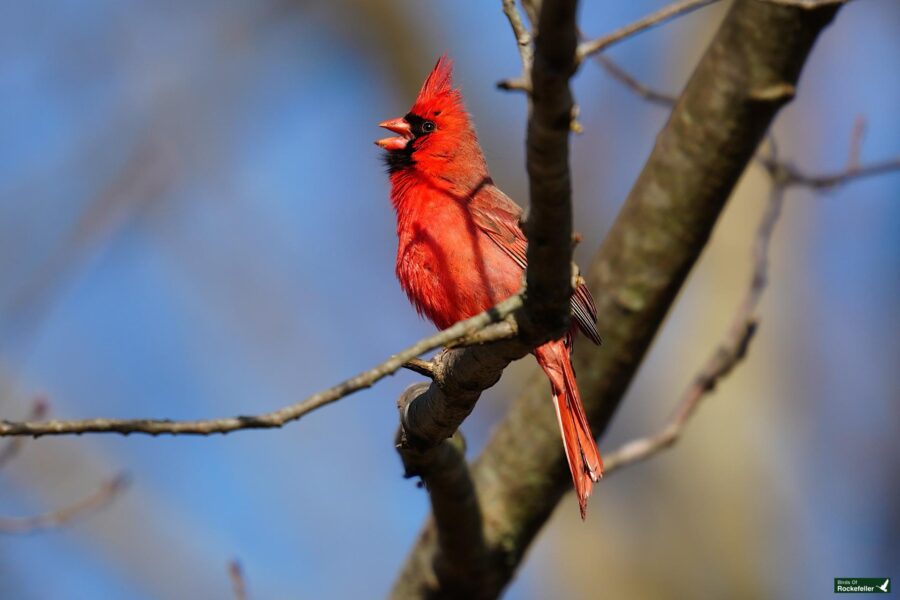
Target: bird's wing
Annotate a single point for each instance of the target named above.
(498, 217)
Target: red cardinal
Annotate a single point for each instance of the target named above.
(461, 250)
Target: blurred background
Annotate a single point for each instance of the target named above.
(194, 223)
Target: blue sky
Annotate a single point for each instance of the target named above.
(194, 222)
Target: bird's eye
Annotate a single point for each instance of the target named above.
(428, 126)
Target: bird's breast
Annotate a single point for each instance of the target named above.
(448, 267)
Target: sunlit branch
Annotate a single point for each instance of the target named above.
(276, 418)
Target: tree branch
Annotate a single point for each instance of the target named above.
(746, 75)
(523, 42)
(591, 47)
(667, 13)
(788, 175)
(64, 516)
(457, 517)
(781, 171)
(733, 348)
(14, 446)
(629, 81)
(549, 223)
(276, 418)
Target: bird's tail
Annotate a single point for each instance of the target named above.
(581, 449)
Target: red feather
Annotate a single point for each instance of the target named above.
(461, 249)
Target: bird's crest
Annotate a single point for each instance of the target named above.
(439, 81)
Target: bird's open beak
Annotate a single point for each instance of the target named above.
(398, 126)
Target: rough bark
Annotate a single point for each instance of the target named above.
(549, 224)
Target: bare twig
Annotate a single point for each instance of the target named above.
(238, 583)
(66, 515)
(783, 172)
(788, 175)
(856, 139)
(523, 43)
(14, 446)
(629, 81)
(733, 348)
(276, 418)
(724, 358)
(595, 46)
(659, 17)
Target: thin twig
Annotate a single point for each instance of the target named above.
(629, 81)
(783, 172)
(733, 348)
(659, 17)
(276, 418)
(238, 583)
(789, 175)
(727, 354)
(523, 43)
(596, 46)
(14, 446)
(856, 138)
(66, 515)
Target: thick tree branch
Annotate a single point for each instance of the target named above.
(549, 223)
(457, 516)
(746, 75)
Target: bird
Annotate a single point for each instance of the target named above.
(461, 249)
